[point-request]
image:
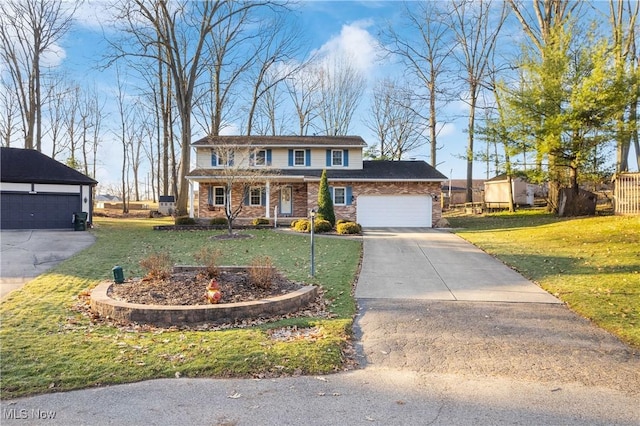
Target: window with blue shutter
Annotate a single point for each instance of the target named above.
(214, 159)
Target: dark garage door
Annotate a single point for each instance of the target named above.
(38, 211)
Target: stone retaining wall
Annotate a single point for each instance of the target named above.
(167, 315)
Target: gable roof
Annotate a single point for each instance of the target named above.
(371, 171)
(30, 166)
(280, 141)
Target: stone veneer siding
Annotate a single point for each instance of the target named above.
(305, 197)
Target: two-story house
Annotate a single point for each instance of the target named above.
(279, 176)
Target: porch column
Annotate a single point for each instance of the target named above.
(268, 200)
(191, 198)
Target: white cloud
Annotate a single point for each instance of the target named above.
(354, 42)
(53, 56)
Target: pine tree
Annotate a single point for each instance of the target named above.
(325, 203)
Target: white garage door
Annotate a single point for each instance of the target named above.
(394, 210)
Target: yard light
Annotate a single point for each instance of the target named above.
(312, 213)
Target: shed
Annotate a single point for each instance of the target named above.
(496, 192)
(626, 194)
(166, 204)
(38, 192)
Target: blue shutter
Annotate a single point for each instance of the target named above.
(210, 195)
(333, 200)
(345, 158)
(214, 159)
(307, 158)
(268, 157)
(328, 158)
(347, 195)
(290, 158)
(231, 158)
(263, 197)
(247, 193)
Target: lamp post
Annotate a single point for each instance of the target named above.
(312, 213)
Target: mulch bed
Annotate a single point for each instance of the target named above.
(189, 288)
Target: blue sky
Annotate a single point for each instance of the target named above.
(331, 27)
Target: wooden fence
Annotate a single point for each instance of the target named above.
(626, 194)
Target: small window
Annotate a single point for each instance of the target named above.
(259, 158)
(255, 197)
(225, 158)
(339, 196)
(336, 157)
(216, 196)
(298, 157)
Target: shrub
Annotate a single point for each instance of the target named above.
(341, 221)
(261, 272)
(218, 221)
(348, 228)
(302, 225)
(185, 220)
(325, 203)
(293, 223)
(260, 221)
(321, 225)
(209, 258)
(157, 266)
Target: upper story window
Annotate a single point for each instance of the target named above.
(336, 157)
(259, 158)
(299, 157)
(222, 158)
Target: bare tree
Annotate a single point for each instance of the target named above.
(394, 119)
(9, 113)
(425, 47)
(183, 30)
(28, 30)
(340, 90)
(302, 88)
(623, 17)
(123, 134)
(477, 33)
(273, 63)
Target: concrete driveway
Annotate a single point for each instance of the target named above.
(25, 254)
(433, 349)
(428, 264)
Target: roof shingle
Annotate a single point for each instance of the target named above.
(30, 166)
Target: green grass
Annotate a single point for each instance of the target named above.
(592, 264)
(47, 346)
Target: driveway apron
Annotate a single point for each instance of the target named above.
(433, 304)
(438, 265)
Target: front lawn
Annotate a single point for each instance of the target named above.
(47, 346)
(592, 264)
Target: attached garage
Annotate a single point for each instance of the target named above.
(37, 192)
(407, 211)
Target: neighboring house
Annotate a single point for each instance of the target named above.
(458, 191)
(37, 192)
(284, 176)
(496, 192)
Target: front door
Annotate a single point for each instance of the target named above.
(285, 201)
